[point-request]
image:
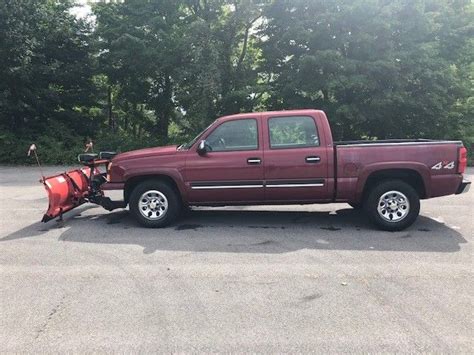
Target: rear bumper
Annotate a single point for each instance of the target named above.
(463, 187)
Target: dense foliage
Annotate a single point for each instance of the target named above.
(139, 73)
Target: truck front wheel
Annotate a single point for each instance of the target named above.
(392, 205)
(154, 204)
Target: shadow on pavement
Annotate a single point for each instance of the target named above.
(40, 228)
(242, 231)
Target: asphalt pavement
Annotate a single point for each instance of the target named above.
(265, 279)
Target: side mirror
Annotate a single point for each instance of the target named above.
(202, 147)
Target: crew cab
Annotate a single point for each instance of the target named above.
(281, 157)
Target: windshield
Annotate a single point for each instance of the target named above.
(191, 143)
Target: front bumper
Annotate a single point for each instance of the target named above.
(463, 187)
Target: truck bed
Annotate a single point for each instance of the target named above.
(434, 161)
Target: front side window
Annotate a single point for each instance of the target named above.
(293, 132)
(188, 145)
(234, 135)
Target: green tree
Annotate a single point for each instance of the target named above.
(377, 67)
(151, 72)
(140, 54)
(220, 64)
(46, 70)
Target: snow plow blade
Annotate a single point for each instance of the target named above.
(66, 191)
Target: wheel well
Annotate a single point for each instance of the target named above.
(131, 183)
(411, 177)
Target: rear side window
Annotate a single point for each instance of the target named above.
(292, 132)
(234, 135)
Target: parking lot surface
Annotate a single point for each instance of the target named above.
(314, 278)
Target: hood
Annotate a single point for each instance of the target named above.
(147, 152)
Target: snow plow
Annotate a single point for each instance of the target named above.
(71, 189)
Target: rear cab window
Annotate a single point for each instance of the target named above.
(288, 132)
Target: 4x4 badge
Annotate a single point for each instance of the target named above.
(443, 165)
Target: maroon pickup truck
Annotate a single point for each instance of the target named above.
(284, 157)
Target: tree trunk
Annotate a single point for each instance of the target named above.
(165, 110)
(110, 114)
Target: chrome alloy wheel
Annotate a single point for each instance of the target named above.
(153, 205)
(393, 206)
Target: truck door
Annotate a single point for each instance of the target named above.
(232, 169)
(296, 167)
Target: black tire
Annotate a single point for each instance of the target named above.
(172, 198)
(381, 219)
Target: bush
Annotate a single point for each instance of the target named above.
(64, 148)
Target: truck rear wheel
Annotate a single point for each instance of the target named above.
(392, 205)
(154, 204)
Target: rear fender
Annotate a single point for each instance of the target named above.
(419, 168)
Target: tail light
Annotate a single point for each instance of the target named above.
(462, 160)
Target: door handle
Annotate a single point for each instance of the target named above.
(313, 159)
(254, 161)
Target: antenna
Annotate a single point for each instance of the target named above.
(33, 149)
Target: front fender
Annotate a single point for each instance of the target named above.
(174, 174)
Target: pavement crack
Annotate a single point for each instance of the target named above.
(44, 326)
(311, 297)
